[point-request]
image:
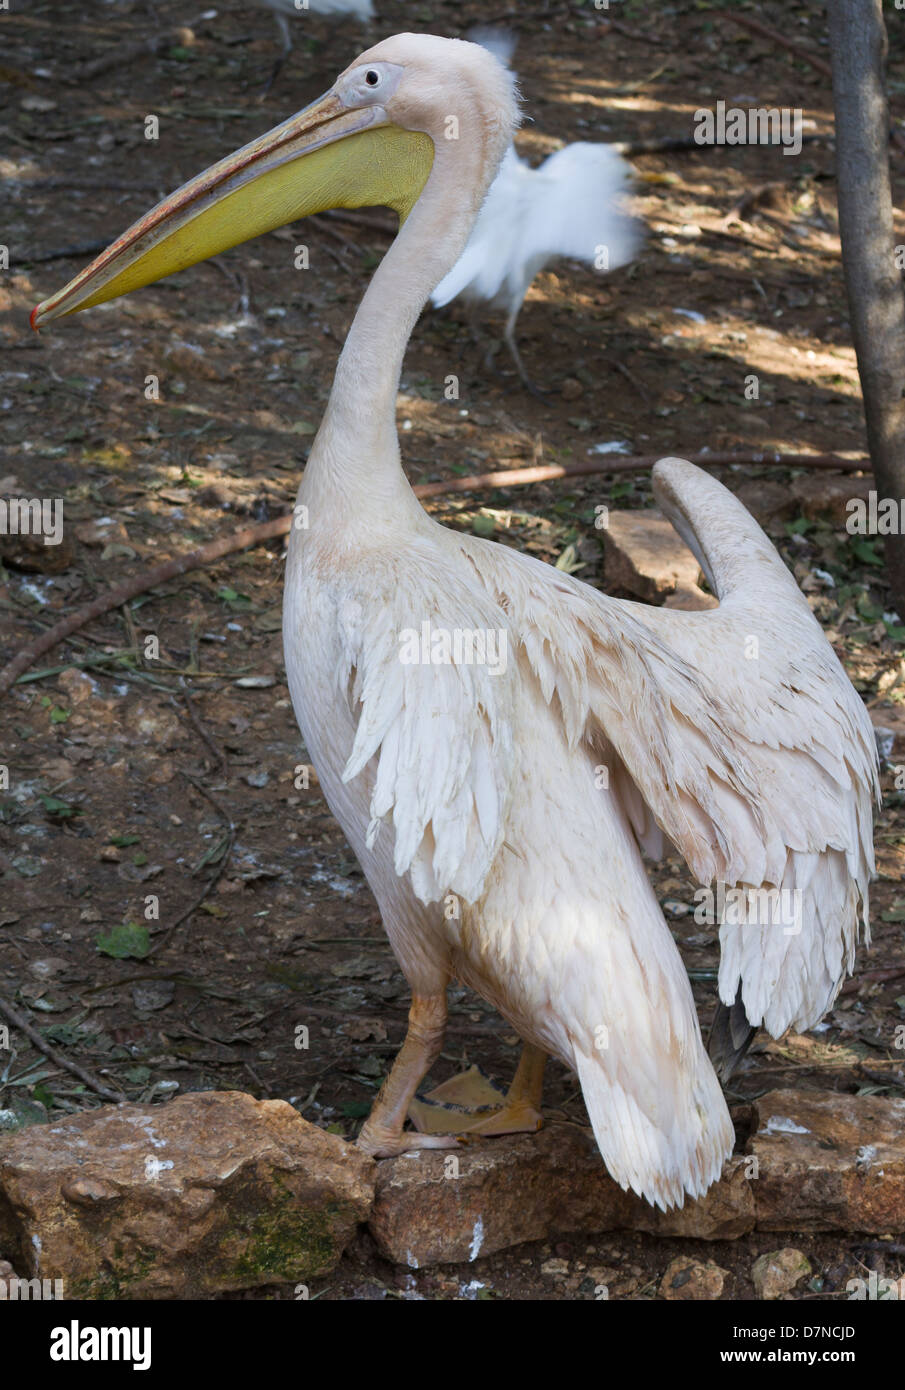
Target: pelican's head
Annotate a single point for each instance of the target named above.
(372, 140)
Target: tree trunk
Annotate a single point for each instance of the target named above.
(872, 279)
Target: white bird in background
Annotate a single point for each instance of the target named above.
(362, 10)
(572, 205)
(498, 792)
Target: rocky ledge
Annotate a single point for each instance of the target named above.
(217, 1191)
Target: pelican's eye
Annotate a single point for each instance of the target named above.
(372, 78)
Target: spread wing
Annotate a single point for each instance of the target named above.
(438, 730)
(734, 732)
(572, 205)
(578, 209)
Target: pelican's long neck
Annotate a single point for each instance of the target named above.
(354, 464)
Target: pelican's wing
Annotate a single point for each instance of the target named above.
(439, 733)
(734, 731)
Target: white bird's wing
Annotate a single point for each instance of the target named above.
(439, 733)
(735, 731)
(578, 209)
(484, 265)
(572, 205)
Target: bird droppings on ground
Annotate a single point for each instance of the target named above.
(92, 806)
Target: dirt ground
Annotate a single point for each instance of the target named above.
(133, 780)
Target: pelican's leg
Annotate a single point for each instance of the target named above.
(509, 337)
(381, 1134)
(521, 1110)
(468, 1104)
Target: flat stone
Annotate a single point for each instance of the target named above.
(768, 502)
(688, 1280)
(691, 598)
(148, 723)
(644, 557)
(827, 494)
(214, 1191)
(101, 532)
(829, 1162)
(775, 1274)
(441, 1207)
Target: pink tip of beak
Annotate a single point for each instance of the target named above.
(31, 318)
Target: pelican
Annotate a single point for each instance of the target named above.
(497, 739)
(573, 204)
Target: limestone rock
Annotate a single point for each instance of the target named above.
(644, 556)
(821, 494)
(441, 1207)
(829, 1162)
(777, 1273)
(78, 687)
(689, 1280)
(188, 359)
(147, 723)
(101, 532)
(770, 503)
(214, 1191)
(691, 598)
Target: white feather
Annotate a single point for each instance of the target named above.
(572, 205)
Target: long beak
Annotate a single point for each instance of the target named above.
(324, 157)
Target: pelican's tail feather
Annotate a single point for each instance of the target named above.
(658, 1164)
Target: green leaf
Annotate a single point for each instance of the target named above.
(865, 552)
(129, 939)
(123, 841)
(66, 1034)
(61, 809)
(233, 598)
(59, 716)
(867, 609)
(483, 525)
